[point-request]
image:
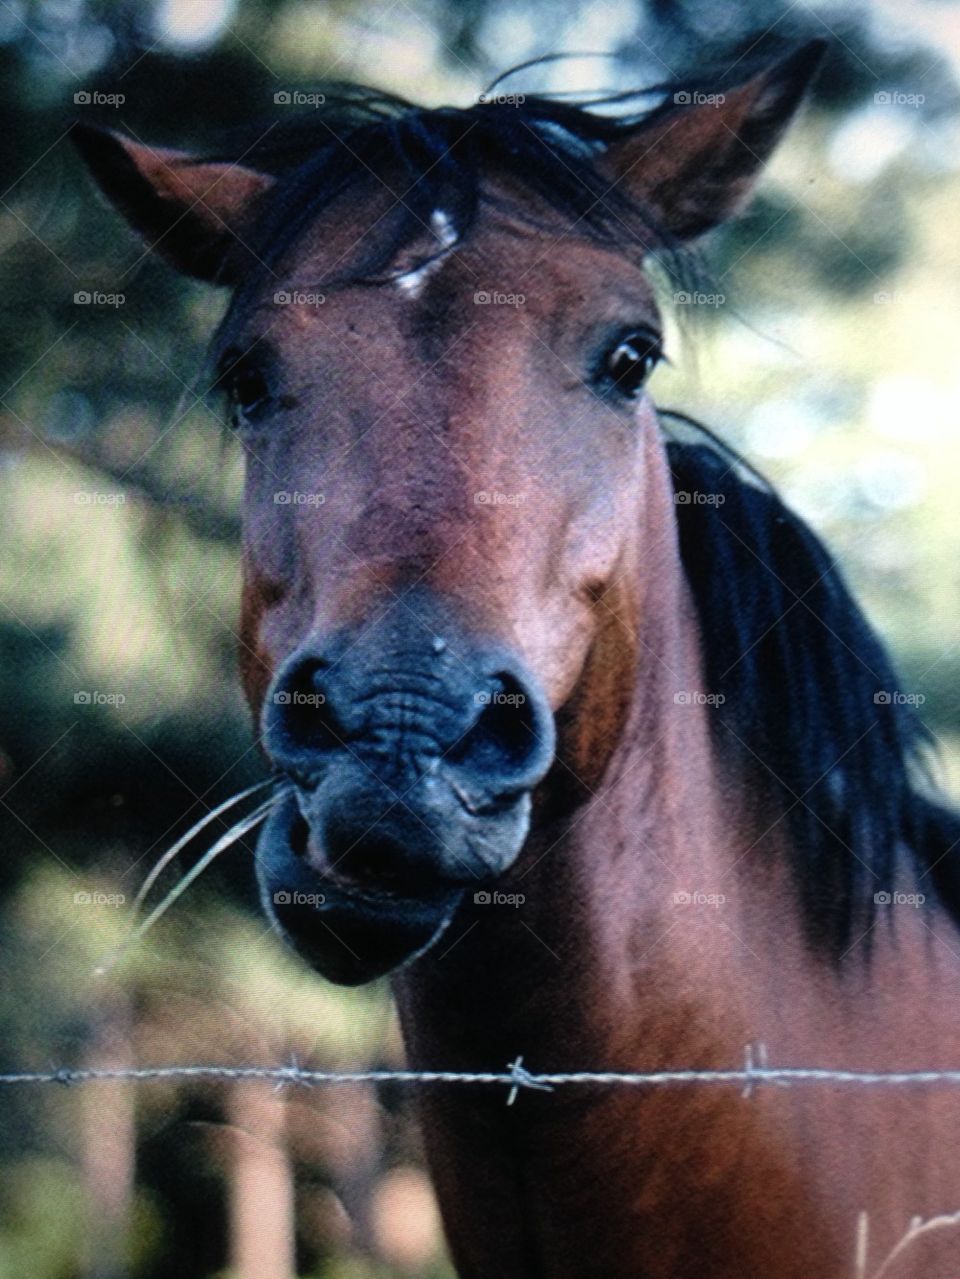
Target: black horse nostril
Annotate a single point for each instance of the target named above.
(511, 740)
(300, 719)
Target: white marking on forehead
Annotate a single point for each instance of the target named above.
(443, 229)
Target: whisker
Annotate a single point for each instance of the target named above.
(182, 842)
(230, 837)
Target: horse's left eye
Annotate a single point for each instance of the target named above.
(628, 365)
(248, 389)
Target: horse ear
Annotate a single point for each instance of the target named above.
(193, 213)
(694, 163)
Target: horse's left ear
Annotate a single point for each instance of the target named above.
(694, 162)
(194, 213)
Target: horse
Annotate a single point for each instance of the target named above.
(582, 738)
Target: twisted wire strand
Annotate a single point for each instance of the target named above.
(515, 1076)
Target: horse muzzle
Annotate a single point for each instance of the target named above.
(413, 754)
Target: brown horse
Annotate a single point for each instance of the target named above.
(583, 737)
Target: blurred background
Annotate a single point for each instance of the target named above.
(827, 354)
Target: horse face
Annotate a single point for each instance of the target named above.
(447, 472)
(440, 510)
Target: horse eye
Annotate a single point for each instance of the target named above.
(248, 390)
(628, 365)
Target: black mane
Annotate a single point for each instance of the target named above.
(810, 697)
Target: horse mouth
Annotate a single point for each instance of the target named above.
(410, 777)
(350, 933)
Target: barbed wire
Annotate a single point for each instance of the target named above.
(515, 1076)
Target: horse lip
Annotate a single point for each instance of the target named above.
(303, 839)
(349, 894)
(475, 801)
(350, 935)
(481, 803)
(365, 939)
(379, 896)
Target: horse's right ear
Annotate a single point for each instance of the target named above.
(194, 213)
(693, 162)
